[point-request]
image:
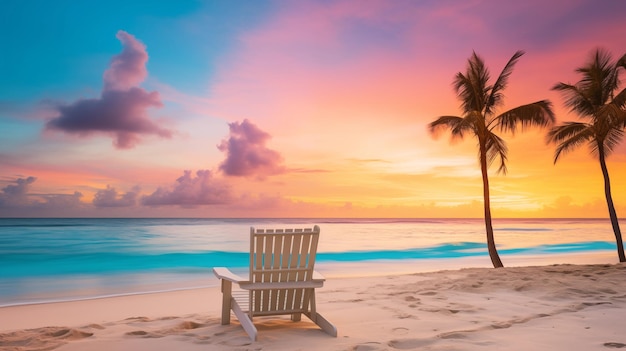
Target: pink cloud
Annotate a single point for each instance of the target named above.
(119, 113)
(122, 109)
(190, 191)
(61, 202)
(246, 153)
(16, 194)
(128, 69)
(18, 201)
(109, 198)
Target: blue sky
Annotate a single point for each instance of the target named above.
(54, 47)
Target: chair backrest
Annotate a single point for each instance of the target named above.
(281, 255)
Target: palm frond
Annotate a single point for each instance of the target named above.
(593, 98)
(575, 99)
(621, 62)
(538, 114)
(610, 116)
(457, 126)
(471, 87)
(464, 91)
(620, 99)
(496, 148)
(566, 130)
(613, 138)
(569, 136)
(496, 96)
(599, 77)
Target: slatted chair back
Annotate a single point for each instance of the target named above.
(281, 255)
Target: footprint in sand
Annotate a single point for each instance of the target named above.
(403, 315)
(238, 341)
(65, 333)
(187, 325)
(614, 345)
(168, 318)
(368, 346)
(95, 326)
(454, 335)
(144, 334)
(137, 319)
(399, 331)
(47, 338)
(501, 325)
(409, 344)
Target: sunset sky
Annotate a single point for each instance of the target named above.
(286, 108)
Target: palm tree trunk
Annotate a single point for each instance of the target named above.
(491, 244)
(609, 202)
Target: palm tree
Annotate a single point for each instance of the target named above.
(593, 98)
(479, 101)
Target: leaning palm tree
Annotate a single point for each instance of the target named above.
(479, 101)
(593, 98)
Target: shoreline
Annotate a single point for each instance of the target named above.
(331, 270)
(101, 297)
(564, 306)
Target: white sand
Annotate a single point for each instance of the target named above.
(564, 307)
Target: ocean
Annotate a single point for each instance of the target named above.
(46, 260)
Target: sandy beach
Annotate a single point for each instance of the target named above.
(557, 307)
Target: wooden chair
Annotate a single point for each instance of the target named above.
(281, 282)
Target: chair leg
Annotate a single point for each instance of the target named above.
(227, 294)
(245, 320)
(296, 317)
(312, 306)
(317, 318)
(325, 325)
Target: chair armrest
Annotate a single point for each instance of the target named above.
(317, 276)
(226, 274)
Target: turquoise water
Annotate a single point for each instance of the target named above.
(64, 259)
